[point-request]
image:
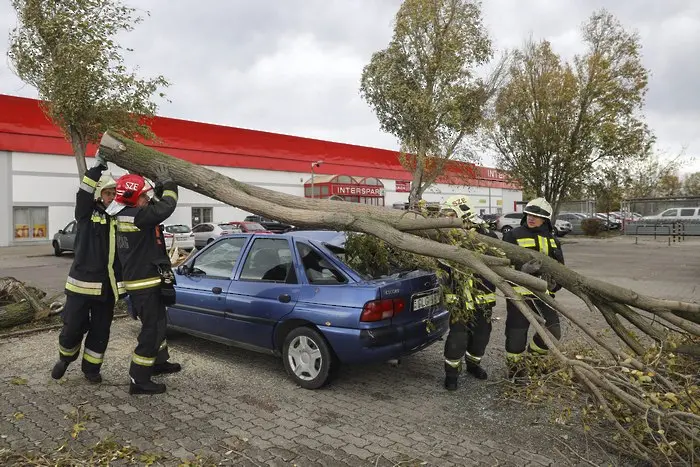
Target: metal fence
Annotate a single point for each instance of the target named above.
(585, 206)
(652, 206)
(673, 231)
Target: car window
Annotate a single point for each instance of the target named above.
(318, 269)
(70, 228)
(177, 228)
(230, 227)
(687, 212)
(670, 213)
(220, 259)
(515, 215)
(197, 228)
(253, 226)
(269, 260)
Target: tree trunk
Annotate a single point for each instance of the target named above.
(15, 314)
(79, 147)
(22, 303)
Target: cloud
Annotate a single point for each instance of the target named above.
(294, 66)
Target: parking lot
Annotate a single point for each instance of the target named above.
(239, 408)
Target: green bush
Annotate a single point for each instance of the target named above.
(592, 227)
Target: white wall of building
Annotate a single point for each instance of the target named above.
(37, 181)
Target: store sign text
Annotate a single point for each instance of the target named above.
(357, 190)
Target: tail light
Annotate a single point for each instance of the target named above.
(377, 310)
(168, 235)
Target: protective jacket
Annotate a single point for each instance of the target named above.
(539, 239)
(96, 270)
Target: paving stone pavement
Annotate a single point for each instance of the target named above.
(239, 408)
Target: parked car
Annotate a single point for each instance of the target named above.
(250, 227)
(207, 232)
(674, 215)
(562, 227)
(269, 224)
(181, 234)
(291, 295)
(64, 239)
(509, 221)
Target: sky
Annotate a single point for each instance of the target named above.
(294, 66)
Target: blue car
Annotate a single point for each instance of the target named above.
(292, 295)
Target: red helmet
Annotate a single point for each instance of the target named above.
(129, 188)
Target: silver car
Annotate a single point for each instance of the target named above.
(207, 232)
(64, 239)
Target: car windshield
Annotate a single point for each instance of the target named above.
(178, 228)
(253, 226)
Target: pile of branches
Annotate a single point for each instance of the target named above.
(649, 390)
(21, 303)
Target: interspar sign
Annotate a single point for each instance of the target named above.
(357, 190)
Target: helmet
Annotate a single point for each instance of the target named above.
(130, 187)
(539, 207)
(105, 182)
(460, 205)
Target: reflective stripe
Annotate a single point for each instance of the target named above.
(472, 358)
(170, 193)
(513, 357)
(111, 240)
(544, 245)
(68, 352)
(121, 288)
(90, 182)
(85, 187)
(527, 242)
(142, 283)
(99, 219)
(127, 227)
(83, 287)
(92, 357)
(143, 361)
(453, 363)
(553, 243)
(129, 219)
(537, 349)
(163, 345)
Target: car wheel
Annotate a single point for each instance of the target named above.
(57, 249)
(307, 357)
(506, 229)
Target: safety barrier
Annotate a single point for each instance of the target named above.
(675, 232)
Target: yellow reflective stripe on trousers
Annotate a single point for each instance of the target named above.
(142, 283)
(143, 361)
(121, 288)
(92, 357)
(111, 241)
(68, 352)
(472, 358)
(526, 242)
(170, 193)
(453, 363)
(544, 245)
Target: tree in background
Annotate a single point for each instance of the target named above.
(422, 86)
(555, 122)
(66, 50)
(691, 184)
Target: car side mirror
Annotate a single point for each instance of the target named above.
(60, 231)
(183, 269)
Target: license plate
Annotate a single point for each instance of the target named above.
(426, 301)
(182, 237)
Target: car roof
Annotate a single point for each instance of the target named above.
(330, 237)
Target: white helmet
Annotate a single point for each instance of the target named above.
(461, 206)
(105, 181)
(539, 207)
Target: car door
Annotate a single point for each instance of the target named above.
(264, 291)
(201, 296)
(201, 234)
(68, 236)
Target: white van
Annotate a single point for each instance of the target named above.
(675, 214)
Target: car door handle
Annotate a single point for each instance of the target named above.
(284, 298)
(216, 290)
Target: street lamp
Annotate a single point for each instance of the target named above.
(313, 166)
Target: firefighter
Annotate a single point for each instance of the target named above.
(93, 285)
(148, 277)
(535, 233)
(467, 339)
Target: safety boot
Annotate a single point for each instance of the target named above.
(94, 378)
(166, 368)
(476, 370)
(59, 369)
(451, 382)
(147, 387)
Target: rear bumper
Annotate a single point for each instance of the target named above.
(385, 343)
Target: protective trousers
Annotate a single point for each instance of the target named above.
(152, 348)
(468, 340)
(83, 314)
(517, 326)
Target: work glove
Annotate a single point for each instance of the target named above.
(162, 173)
(100, 160)
(158, 190)
(551, 284)
(532, 267)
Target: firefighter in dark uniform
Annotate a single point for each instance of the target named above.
(147, 271)
(535, 233)
(467, 340)
(93, 285)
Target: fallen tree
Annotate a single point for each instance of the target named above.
(20, 304)
(665, 413)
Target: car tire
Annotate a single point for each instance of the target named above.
(57, 249)
(506, 229)
(307, 357)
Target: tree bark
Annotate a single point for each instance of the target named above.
(23, 303)
(79, 147)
